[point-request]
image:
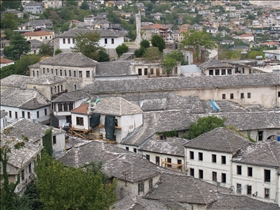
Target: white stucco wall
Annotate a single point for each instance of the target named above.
(59, 146)
(208, 166)
(86, 121)
(256, 181)
(3, 122)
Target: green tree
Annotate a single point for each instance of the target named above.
(87, 43)
(144, 44)
(69, 3)
(152, 53)
(158, 41)
(72, 188)
(9, 33)
(177, 55)
(18, 46)
(196, 40)
(9, 22)
(84, 6)
(139, 52)
(47, 142)
(46, 49)
(57, 51)
(169, 63)
(121, 49)
(103, 56)
(205, 124)
(15, 4)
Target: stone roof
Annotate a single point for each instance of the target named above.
(219, 140)
(116, 106)
(183, 83)
(181, 188)
(3, 113)
(72, 96)
(103, 33)
(214, 63)
(33, 131)
(25, 99)
(114, 69)
(37, 33)
(35, 43)
(16, 81)
(138, 203)
(33, 3)
(18, 158)
(37, 22)
(240, 202)
(69, 59)
(171, 146)
(117, 162)
(265, 154)
(46, 79)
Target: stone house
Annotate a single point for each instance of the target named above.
(36, 24)
(214, 67)
(34, 7)
(38, 35)
(209, 155)
(196, 27)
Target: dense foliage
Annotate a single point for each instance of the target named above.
(121, 49)
(158, 41)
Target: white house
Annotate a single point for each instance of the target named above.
(255, 171)
(214, 67)
(212, 30)
(34, 7)
(209, 155)
(38, 35)
(28, 104)
(3, 119)
(5, 62)
(274, 54)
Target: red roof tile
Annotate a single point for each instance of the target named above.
(5, 60)
(81, 109)
(37, 33)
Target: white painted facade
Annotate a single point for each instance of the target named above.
(275, 54)
(15, 113)
(256, 182)
(58, 142)
(6, 64)
(86, 121)
(208, 166)
(3, 122)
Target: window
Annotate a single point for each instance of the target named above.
(58, 89)
(191, 172)
(38, 114)
(248, 95)
(61, 87)
(80, 74)
(52, 71)
(68, 40)
(229, 71)
(250, 171)
(75, 74)
(278, 93)
(29, 168)
(28, 115)
(73, 41)
(223, 96)
(69, 73)
(267, 175)
(239, 170)
(33, 72)
(200, 172)
(150, 183)
(60, 107)
(140, 187)
(113, 41)
(231, 96)
(249, 190)
(191, 155)
(152, 72)
(60, 72)
(16, 116)
(224, 178)
(260, 135)
(241, 95)
(210, 72)
(65, 107)
(70, 106)
(145, 71)
(266, 193)
(105, 40)
(134, 150)
(47, 70)
(75, 87)
(22, 114)
(223, 72)
(80, 120)
(46, 112)
(200, 156)
(223, 159)
(169, 161)
(37, 73)
(43, 70)
(217, 72)
(214, 158)
(127, 148)
(157, 160)
(139, 72)
(148, 157)
(56, 72)
(22, 175)
(65, 73)
(87, 74)
(214, 176)
(238, 188)
(54, 139)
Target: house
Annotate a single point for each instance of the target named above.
(21, 161)
(150, 30)
(157, 15)
(209, 155)
(28, 104)
(248, 37)
(57, 4)
(38, 35)
(78, 69)
(5, 62)
(64, 103)
(212, 30)
(270, 44)
(15, 12)
(34, 46)
(166, 153)
(3, 119)
(272, 54)
(109, 39)
(36, 24)
(255, 171)
(216, 67)
(117, 118)
(227, 42)
(34, 7)
(196, 27)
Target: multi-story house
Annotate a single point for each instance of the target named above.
(214, 67)
(38, 35)
(34, 7)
